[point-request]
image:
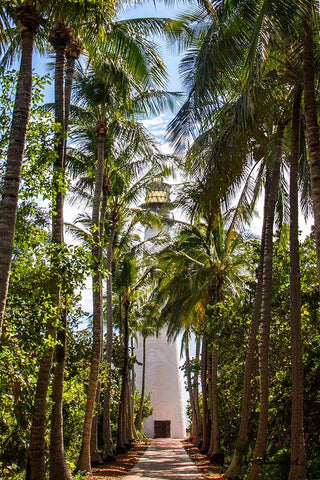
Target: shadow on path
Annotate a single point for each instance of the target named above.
(167, 459)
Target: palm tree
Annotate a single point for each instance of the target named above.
(27, 17)
(298, 454)
(60, 38)
(198, 269)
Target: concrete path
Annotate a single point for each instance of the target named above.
(167, 459)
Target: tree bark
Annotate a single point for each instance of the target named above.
(204, 387)
(195, 418)
(234, 471)
(94, 449)
(261, 441)
(84, 460)
(143, 386)
(298, 469)
(58, 466)
(108, 447)
(122, 439)
(36, 462)
(216, 456)
(11, 183)
(312, 127)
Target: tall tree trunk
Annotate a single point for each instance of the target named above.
(36, 469)
(261, 441)
(216, 456)
(195, 418)
(234, 471)
(28, 22)
(210, 392)
(36, 452)
(94, 449)
(58, 467)
(59, 37)
(63, 87)
(298, 469)
(312, 127)
(204, 387)
(133, 432)
(84, 460)
(143, 386)
(195, 386)
(108, 447)
(122, 439)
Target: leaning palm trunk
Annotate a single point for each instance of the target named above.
(298, 454)
(84, 460)
(261, 441)
(29, 20)
(234, 471)
(312, 127)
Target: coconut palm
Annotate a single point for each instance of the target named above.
(27, 18)
(199, 268)
(60, 38)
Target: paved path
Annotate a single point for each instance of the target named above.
(166, 459)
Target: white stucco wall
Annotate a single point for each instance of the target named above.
(164, 381)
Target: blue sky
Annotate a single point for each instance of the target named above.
(156, 125)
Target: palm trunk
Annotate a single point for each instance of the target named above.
(63, 87)
(234, 471)
(312, 127)
(108, 447)
(84, 460)
(36, 469)
(132, 429)
(36, 453)
(122, 439)
(210, 392)
(195, 418)
(94, 449)
(58, 466)
(11, 182)
(216, 456)
(195, 387)
(261, 441)
(204, 387)
(298, 454)
(143, 386)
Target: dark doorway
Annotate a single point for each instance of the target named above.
(162, 428)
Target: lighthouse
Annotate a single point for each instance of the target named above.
(163, 378)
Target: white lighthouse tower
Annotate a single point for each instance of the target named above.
(163, 378)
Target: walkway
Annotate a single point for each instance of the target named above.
(166, 459)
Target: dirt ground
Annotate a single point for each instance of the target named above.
(206, 468)
(126, 461)
(121, 467)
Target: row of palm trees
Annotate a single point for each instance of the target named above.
(249, 69)
(249, 72)
(121, 82)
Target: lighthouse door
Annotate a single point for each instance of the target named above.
(162, 428)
